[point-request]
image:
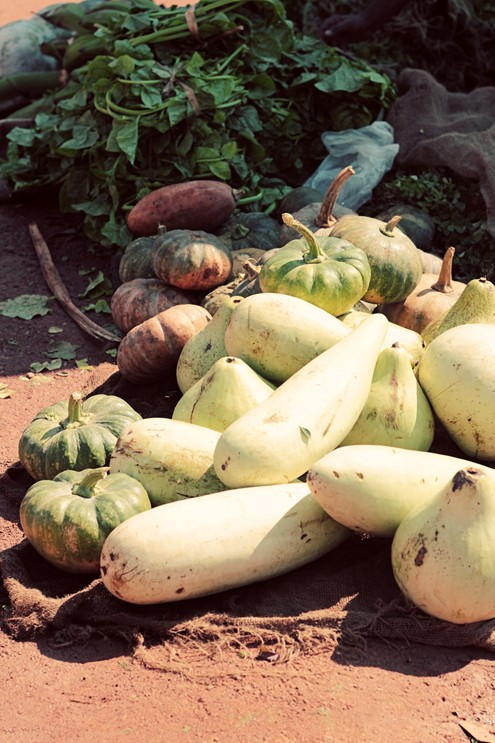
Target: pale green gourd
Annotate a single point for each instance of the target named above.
(228, 390)
(443, 552)
(397, 412)
(457, 374)
(307, 416)
(205, 347)
(476, 304)
(371, 488)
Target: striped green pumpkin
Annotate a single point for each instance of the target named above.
(67, 519)
(74, 435)
(395, 261)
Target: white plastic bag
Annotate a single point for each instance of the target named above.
(371, 152)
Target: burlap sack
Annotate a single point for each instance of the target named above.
(436, 128)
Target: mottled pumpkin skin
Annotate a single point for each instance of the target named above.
(135, 262)
(135, 301)
(151, 350)
(191, 260)
(67, 519)
(395, 261)
(335, 283)
(75, 435)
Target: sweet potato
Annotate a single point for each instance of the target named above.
(193, 205)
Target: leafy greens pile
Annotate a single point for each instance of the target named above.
(225, 89)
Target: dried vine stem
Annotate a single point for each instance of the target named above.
(55, 283)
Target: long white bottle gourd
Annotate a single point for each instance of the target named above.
(306, 417)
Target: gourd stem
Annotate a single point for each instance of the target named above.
(444, 283)
(86, 488)
(389, 228)
(314, 254)
(325, 216)
(75, 408)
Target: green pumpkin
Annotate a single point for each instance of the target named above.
(250, 230)
(415, 223)
(135, 262)
(73, 434)
(328, 272)
(67, 519)
(396, 265)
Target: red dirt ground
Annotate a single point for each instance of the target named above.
(95, 690)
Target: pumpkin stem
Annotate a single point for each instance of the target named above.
(389, 228)
(325, 216)
(444, 283)
(75, 416)
(314, 254)
(86, 488)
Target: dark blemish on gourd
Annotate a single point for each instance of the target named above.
(113, 556)
(336, 475)
(180, 590)
(359, 475)
(419, 559)
(464, 477)
(208, 347)
(225, 464)
(104, 569)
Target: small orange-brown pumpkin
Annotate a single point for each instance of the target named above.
(150, 351)
(135, 301)
(433, 296)
(191, 259)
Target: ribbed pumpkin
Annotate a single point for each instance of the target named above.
(67, 519)
(194, 260)
(328, 272)
(396, 266)
(135, 262)
(151, 350)
(135, 301)
(74, 434)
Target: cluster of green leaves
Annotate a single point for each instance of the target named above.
(244, 100)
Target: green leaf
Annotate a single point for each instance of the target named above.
(126, 136)
(25, 306)
(83, 364)
(38, 366)
(63, 350)
(98, 286)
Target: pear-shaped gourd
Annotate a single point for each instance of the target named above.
(397, 412)
(443, 552)
(476, 304)
(408, 339)
(457, 374)
(320, 216)
(228, 390)
(396, 265)
(432, 297)
(205, 347)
